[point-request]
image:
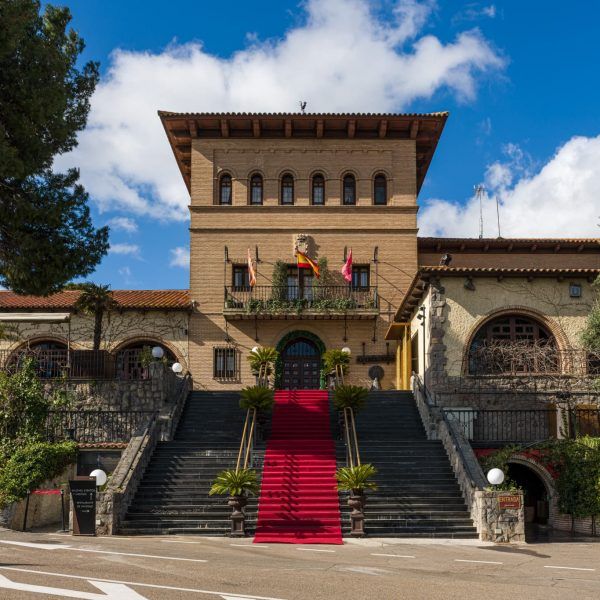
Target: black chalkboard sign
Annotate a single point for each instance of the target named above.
(83, 494)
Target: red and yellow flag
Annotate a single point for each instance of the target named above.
(251, 272)
(304, 262)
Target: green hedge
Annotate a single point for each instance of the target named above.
(31, 465)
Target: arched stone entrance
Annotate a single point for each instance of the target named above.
(299, 364)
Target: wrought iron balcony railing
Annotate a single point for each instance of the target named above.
(293, 299)
(502, 427)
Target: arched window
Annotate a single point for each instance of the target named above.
(256, 189)
(287, 189)
(513, 345)
(225, 189)
(50, 358)
(133, 360)
(349, 190)
(318, 189)
(380, 189)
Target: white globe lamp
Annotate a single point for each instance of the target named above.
(100, 476)
(157, 352)
(255, 350)
(495, 476)
(346, 350)
(177, 367)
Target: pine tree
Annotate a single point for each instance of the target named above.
(46, 233)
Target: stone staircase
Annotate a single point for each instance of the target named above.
(417, 494)
(172, 497)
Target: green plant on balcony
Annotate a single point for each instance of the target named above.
(257, 397)
(350, 396)
(279, 281)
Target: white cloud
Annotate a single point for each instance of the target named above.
(475, 11)
(560, 199)
(123, 224)
(127, 249)
(180, 257)
(344, 57)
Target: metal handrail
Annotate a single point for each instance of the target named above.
(247, 441)
(339, 375)
(352, 451)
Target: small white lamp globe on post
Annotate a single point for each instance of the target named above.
(495, 476)
(255, 350)
(346, 350)
(177, 368)
(101, 477)
(157, 352)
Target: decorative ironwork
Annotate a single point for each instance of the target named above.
(263, 299)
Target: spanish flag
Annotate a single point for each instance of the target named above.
(304, 262)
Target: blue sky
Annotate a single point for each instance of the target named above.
(520, 80)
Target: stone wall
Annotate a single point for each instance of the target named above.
(146, 394)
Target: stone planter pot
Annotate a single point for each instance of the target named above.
(238, 516)
(357, 502)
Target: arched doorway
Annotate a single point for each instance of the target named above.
(536, 499)
(133, 359)
(301, 365)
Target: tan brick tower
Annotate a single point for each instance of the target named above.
(325, 184)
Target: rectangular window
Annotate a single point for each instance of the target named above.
(240, 278)
(414, 353)
(360, 276)
(225, 363)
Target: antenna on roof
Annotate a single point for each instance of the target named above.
(303, 104)
(498, 214)
(479, 191)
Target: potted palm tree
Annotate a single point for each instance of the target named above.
(262, 361)
(261, 399)
(334, 358)
(356, 480)
(350, 396)
(237, 484)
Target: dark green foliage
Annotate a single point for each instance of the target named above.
(235, 483)
(350, 396)
(356, 479)
(32, 464)
(23, 405)
(95, 300)
(279, 282)
(46, 234)
(258, 397)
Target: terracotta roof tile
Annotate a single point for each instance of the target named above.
(127, 299)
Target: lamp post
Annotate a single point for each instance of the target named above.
(495, 476)
(157, 352)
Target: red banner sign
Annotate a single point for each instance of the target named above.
(509, 501)
(46, 492)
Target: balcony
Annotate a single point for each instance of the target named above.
(497, 428)
(296, 302)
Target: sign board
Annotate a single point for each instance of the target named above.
(83, 494)
(509, 501)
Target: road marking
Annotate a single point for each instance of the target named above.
(61, 547)
(178, 542)
(393, 555)
(112, 591)
(91, 579)
(249, 546)
(483, 562)
(569, 568)
(313, 550)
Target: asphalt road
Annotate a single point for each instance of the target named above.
(41, 565)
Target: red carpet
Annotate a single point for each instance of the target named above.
(298, 501)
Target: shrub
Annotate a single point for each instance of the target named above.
(235, 483)
(332, 358)
(356, 479)
(258, 397)
(350, 396)
(32, 464)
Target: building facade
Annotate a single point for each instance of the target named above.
(265, 186)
